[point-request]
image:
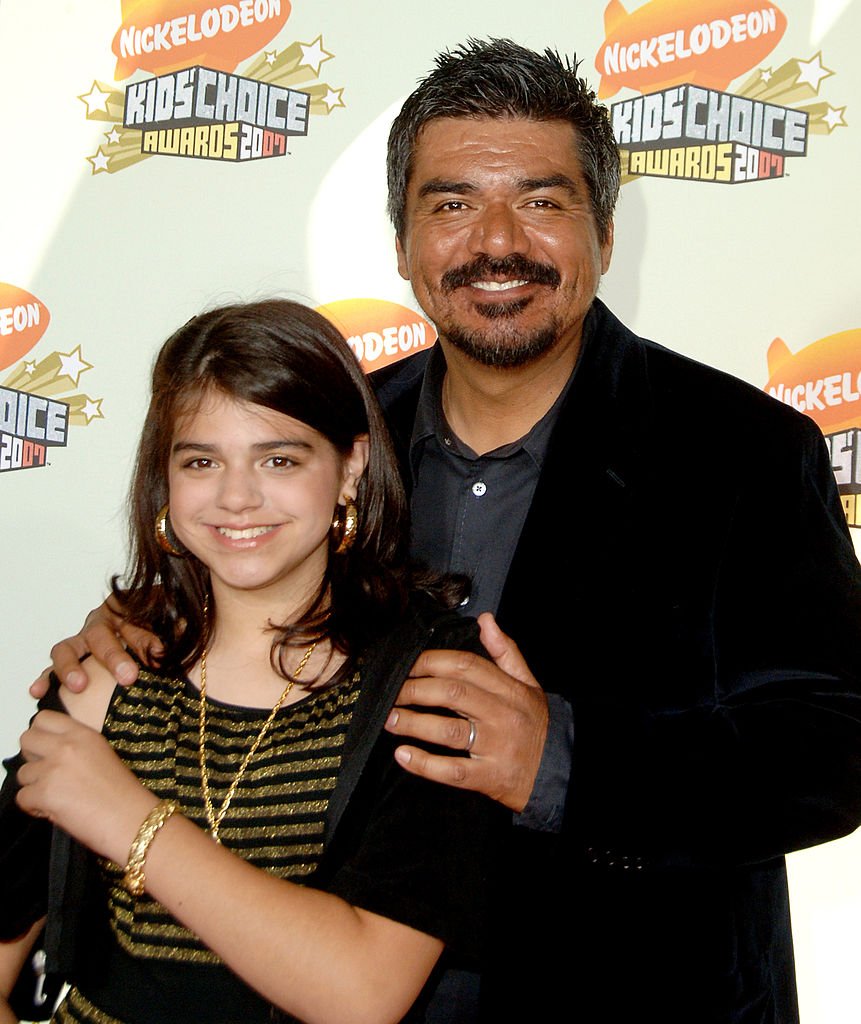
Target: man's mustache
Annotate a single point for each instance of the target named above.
(484, 268)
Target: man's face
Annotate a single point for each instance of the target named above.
(500, 244)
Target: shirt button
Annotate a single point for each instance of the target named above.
(478, 489)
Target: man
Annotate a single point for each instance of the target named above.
(691, 709)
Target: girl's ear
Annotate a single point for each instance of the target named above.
(354, 465)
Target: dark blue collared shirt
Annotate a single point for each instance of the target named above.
(467, 512)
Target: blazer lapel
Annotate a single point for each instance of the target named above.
(586, 499)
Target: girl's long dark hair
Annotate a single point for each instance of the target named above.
(284, 356)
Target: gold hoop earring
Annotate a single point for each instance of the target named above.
(161, 536)
(345, 526)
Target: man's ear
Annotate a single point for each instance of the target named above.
(607, 248)
(403, 265)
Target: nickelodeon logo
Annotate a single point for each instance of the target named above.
(379, 332)
(29, 425)
(705, 135)
(689, 127)
(23, 321)
(667, 42)
(214, 115)
(824, 381)
(164, 35)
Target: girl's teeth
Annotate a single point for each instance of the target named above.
(247, 534)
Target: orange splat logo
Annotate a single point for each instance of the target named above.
(379, 332)
(23, 321)
(165, 35)
(822, 380)
(667, 42)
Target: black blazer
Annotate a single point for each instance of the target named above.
(686, 579)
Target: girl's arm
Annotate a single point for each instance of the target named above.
(307, 951)
(13, 955)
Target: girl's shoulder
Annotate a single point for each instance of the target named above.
(90, 706)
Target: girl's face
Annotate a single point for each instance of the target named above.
(252, 495)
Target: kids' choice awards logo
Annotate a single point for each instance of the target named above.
(823, 380)
(685, 124)
(186, 98)
(36, 406)
(379, 332)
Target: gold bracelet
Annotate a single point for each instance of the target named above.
(134, 878)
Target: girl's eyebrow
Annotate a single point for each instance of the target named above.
(262, 446)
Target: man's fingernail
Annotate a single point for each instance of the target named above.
(403, 756)
(75, 678)
(125, 673)
(392, 720)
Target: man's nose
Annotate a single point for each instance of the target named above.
(498, 231)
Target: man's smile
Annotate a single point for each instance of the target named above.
(498, 286)
(500, 275)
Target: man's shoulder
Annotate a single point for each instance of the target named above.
(398, 389)
(400, 379)
(705, 394)
(689, 391)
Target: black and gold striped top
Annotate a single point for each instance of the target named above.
(395, 845)
(276, 818)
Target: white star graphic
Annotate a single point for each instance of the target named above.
(92, 409)
(765, 75)
(99, 161)
(313, 55)
(72, 365)
(30, 367)
(113, 136)
(834, 117)
(812, 71)
(333, 98)
(96, 99)
(270, 56)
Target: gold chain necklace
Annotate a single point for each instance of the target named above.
(213, 818)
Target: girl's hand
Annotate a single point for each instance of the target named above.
(74, 778)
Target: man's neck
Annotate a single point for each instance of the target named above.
(488, 406)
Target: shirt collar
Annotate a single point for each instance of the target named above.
(430, 419)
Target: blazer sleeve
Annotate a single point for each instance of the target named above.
(761, 753)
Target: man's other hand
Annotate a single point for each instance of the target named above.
(502, 719)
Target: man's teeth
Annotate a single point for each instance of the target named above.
(246, 534)
(497, 286)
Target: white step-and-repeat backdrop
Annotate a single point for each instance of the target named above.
(132, 196)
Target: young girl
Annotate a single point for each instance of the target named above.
(258, 853)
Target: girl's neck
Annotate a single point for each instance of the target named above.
(239, 667)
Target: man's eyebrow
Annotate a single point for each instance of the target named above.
(437, 185)
(551, 181)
